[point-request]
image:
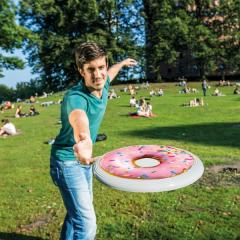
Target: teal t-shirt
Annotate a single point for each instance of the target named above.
(78, 97)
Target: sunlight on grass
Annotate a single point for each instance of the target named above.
(31, 206)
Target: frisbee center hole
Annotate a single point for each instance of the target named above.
(147, 162)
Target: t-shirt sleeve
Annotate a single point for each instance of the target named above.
(76, 102)
(107, 84)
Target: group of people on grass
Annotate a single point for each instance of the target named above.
(32, 112)
(158, 92)
(144, 108)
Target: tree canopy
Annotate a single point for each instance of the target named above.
(191, 37)
(11, 36)
(61, 25)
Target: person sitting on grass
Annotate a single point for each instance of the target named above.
(132, 91)
(217, 93)
(141, 109)
(8, 105)
(33, 111)
(149, 111)
(18, 113)
(112, 94)
(133, 101)
(196, 102)
(32, 99)
(237, 90)
(8, 128)
(152, 93)
(160, 92)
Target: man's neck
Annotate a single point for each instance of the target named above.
(97, 93)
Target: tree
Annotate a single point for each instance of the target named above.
(202, 38)
(125, 33)
(226, 27)
(6, 93)
(58, 26)
(11, 36)
(166, 29)
(26, 89)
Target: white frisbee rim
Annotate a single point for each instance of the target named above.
(150, 185)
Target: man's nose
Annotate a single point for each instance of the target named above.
(97, 73)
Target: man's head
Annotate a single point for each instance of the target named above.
(91, 60)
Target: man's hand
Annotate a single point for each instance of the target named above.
(83, 149)
(113, 70)
(129, 62)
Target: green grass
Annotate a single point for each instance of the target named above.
(31, 207)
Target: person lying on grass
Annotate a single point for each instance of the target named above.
(82, 111)
(196, 102)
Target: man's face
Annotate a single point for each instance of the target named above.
(95, 73)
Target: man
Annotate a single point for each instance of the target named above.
(82, 111)
(204, 87)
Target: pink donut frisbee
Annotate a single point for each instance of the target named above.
(148, 168)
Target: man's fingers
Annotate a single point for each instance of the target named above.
(132, 62)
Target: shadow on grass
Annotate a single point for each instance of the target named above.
(17, 236)
(213, 134)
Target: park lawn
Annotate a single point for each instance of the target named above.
(31, 207)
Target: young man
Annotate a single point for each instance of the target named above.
(82, 111)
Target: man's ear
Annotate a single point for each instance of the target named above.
(80, 70)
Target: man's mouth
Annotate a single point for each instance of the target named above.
(98, 81)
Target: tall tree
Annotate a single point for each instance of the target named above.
(11, 36)
(202, 37)
(226, 26)
(167, 30)
(126, 28)
(59, 25)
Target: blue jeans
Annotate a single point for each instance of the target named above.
(74, 181)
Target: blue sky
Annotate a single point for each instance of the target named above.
(12, 77)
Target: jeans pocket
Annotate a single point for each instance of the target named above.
(69, 164)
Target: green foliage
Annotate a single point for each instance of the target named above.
(207, 34)
(58, 26)
(11, 36)
(226, 28)
(167, 32)
(26, 89)
(156, 33)
(6, 94)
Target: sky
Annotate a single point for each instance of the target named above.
(12, 77)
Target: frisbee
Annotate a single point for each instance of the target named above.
(148, 168)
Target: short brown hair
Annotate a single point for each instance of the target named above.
(87, 52)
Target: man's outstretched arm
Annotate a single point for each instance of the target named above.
(83, 147)
(114, 69)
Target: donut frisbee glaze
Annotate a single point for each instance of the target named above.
(148, 168)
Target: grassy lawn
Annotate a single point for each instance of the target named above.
(31, 207)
